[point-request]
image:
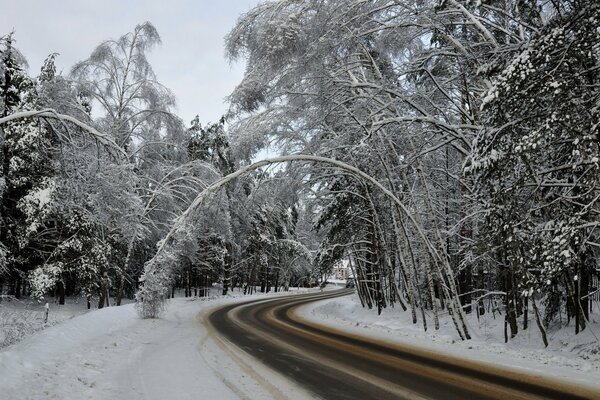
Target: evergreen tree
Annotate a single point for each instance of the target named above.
(537, 167)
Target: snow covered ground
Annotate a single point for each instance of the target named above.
(24, 317)
(572, 357)
(112, 354)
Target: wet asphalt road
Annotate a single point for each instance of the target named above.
(336, 365)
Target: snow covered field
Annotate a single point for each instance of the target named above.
(113, 354)
(569, 356)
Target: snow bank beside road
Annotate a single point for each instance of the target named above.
(20, 318)
(113, 354)
(26, 357)
(570, 357)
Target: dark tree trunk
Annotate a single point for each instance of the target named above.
(120, 289)
(525, 313)
(227, 265)
(101, 299)
(17, 290)
(588, 266)
(440, 294)
(60, 292)
(509, 301)
(188, 282)
(481, 276)
(263, 280)
(539, 322)
(573, 304)
(465, 287)
(576, 302)
(373, 274)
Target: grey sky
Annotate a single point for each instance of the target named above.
(190, 60)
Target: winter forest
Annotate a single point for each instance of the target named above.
(448, 149)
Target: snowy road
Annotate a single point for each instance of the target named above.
(335, 365)
(112, 354)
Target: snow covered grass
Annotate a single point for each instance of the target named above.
(113, 354)
(20, 318)
(569, 356)
(15, 325)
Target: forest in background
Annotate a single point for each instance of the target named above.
(478, 120)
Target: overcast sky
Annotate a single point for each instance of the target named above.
(190, 60)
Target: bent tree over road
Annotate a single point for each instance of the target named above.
(337, 365)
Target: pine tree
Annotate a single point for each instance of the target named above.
(537, 167)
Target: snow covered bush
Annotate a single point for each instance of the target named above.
(152, 296)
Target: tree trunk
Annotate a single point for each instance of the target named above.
(227, 265)
(126, 268)
(441, 294)
(525, 313)
(510, 307)
(572, 287)
(101, 296)
(263, 280)
(466, 286)
(60, 292)
(434, 306)
(539, 322)
(480, 304)
(588, 265)
(188, 283)
(267, 280)
(17, 290)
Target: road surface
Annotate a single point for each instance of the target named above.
(336, 365)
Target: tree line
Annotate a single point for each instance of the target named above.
(96, 167)
(480, 116)
(478, 119)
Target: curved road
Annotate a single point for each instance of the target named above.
(337, 365)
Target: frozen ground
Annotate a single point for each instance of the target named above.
(569, 356)
(22, 318)
(112, 354)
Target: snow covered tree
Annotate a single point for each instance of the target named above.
(210, 144)
(28, 170)
(396, 88)
(135, 110)
(119, 79)
(339, 81)
(536, 164)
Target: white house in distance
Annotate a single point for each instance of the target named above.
(341, 270)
